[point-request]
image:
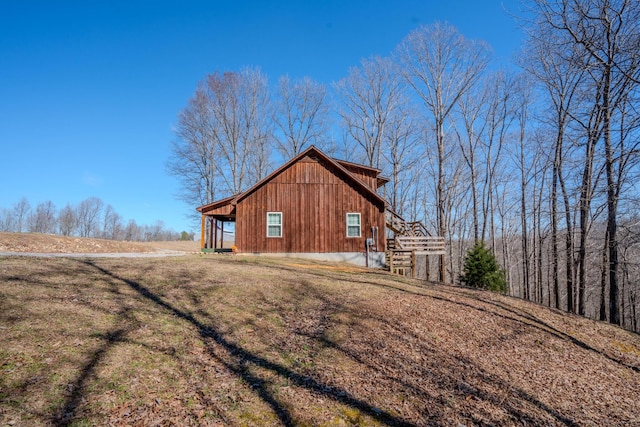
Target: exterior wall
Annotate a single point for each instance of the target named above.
(314, 199)
(222, 210)
(368, 176)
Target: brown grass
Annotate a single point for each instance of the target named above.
(217, 340)
(184, 246)
(47, 243)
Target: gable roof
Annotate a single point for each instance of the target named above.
(346, 163)
(311, 151)
(216, 204)
(380, 180)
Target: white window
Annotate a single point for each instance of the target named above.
(353, 225)
(274, 224)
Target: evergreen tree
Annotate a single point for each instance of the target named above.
(481, 270)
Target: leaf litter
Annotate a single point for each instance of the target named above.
(215, 340)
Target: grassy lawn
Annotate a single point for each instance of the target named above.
(214, 340)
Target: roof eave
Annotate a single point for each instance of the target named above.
(217, 203)
(238, 197)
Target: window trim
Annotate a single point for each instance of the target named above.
(359, 225)
(274, 225)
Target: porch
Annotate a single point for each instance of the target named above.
(218, 226)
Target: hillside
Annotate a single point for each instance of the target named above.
(221, 340)
(48, 243)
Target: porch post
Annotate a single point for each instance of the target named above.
(428, 266)
(215, 233)
(211, 232)
(202, 245)
(414, 264)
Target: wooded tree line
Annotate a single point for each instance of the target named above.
(90, 218)
(539, 159)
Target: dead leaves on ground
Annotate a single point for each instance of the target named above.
(221, 341)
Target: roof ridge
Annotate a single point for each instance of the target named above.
(335, 162)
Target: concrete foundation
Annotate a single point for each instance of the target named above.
(376, 259)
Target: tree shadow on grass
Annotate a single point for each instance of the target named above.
(76, 390)
(245, 362)
(452, 374)
(521, 316)
(490, 307)
(455, 373)
(64, 416)
(532, 321)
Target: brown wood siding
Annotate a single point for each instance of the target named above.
(367, 176)
(222, 210)
(314, 199)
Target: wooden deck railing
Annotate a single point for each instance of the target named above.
(418, 229)
(403, 250)
(401, 261)
(395, 222)
(411, 239)
(428, 244)
(399, 226)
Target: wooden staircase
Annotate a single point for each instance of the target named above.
(411, 239)
(400, 227)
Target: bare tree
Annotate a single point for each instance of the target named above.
(590, 124)
(133, 232)
(370, 97)
(607, 32)
(630, 269)
(43, 219)
(112, 227)
(154, 232)
(507, 99)
(194, 154)
(301, 115)
(526, 167)
(20, 212)
(402, 157)
(88, 216)
(625, 157)
(605, 35)
(561, 77)
(441, 65)
(67, 220)
(238, 103)
(6, 220)
(258, 113)
(223, 136)
(470, 107)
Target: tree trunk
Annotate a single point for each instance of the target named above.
(602, 314)
(612, 207)
(523, 222)
(554, 222)
(569, 261)
(442, 225)
(585, 213)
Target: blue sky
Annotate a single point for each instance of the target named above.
(90, 90)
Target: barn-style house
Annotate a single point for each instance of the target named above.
(312, 206)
